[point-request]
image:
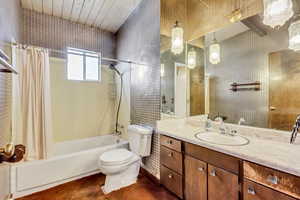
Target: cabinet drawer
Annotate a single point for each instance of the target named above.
(171, 159)
(215, 158)
(170, 143)
(171, 180)
(254, 191)
(280, 181)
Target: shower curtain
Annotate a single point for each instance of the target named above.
(31, 102)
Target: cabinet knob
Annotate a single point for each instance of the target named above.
(251, 191)
(201, 169)
(213, 172)
(272, 179)
(170, 154)
(170, 176)
(170, 142)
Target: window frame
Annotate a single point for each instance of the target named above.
(84, 53)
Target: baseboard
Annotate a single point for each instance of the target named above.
(147, 174)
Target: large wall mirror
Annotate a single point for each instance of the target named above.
(242, 71)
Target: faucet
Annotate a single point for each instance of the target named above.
(295, 130)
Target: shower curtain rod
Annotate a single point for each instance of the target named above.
(64, 52)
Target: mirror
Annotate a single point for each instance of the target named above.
(256, 82)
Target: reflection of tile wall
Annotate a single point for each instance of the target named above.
(138, 40)
(244, 58)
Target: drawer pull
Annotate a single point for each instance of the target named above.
(170, 176)
(213, 172)
(170, 142)
(201, 169)
(251, 191)
(272, 179)
(170, 154)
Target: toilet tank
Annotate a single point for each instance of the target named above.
(140, 138)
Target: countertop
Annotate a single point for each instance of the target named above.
(265, 151)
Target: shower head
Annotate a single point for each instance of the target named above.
(113, 67)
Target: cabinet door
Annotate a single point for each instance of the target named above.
(222, 185)
(195, 179)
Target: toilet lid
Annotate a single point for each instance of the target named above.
(116, 157)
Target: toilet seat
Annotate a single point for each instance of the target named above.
(116, 157)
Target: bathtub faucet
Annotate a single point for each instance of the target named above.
(295, 130)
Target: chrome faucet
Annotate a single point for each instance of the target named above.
(295, 130)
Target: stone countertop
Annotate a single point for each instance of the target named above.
(265, 151)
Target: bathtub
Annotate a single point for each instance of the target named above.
(72, 160)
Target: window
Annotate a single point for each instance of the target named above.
(83, 65)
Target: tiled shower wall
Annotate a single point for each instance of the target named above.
(138, 40)
(56, 33)
(10, 25)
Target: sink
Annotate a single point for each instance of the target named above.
(217, 138)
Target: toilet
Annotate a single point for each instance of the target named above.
(122, 166)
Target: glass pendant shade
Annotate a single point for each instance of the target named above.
(177, 39)
(277, 12)
(162, 70)
(215, 53)
(192, 58)
(294, 36)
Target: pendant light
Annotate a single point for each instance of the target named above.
(215, 52)
(294, 34)
(192, 56)
(177, 39)
(277, 12)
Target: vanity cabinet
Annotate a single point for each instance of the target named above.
(193, 172)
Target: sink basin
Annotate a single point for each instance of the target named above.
(217, 138)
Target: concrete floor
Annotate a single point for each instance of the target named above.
(89, 189)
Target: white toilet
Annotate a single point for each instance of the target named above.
(122, 166)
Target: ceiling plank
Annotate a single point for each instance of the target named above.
(58, 7)
(27, 4)
(38, 5)
(88, 6)
(47, 6)
(67, 8)
(125, 9)
(94, 12)
(77, 7)
(106, 9)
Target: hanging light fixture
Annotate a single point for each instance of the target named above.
(215, 52)
(277, 12)
(191, 59)
(162, 70)
(177, 39)
(294, 34)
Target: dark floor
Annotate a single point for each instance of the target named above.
(89, 189)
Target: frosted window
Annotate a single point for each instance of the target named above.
(75, 67)
(83, 65)
(92, 68)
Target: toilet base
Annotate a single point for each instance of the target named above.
(123, 179)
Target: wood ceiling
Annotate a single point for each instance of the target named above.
(105, 14)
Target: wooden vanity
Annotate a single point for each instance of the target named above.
(193, 172)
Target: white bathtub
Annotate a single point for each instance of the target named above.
(72, 160)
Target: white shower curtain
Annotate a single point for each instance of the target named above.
(31, 102)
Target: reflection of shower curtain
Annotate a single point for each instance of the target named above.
(31, 123)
